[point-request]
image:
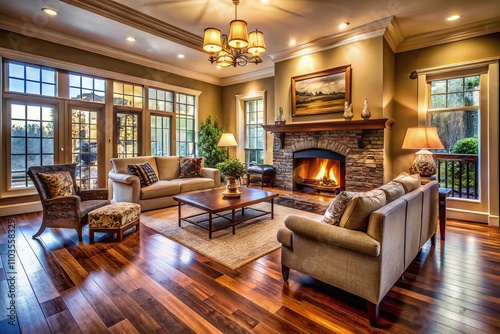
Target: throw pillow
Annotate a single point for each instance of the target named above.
(337, 207)
(144, 172)
(190, 167)
(409, 182)
(358, 211)
(58, 183)
(392, 190)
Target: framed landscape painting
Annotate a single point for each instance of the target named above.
(321, 92)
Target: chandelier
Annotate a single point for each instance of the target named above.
(239, 48)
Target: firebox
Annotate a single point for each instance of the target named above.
(318, 169)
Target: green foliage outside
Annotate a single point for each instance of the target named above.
(209, 135)
(466, 146)
(231, 167)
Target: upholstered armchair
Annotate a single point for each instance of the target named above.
(64, 204)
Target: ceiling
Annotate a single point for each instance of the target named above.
(165, 28)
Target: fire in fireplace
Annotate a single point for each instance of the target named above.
(319, 169)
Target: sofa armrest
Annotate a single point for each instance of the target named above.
(354, 240)
(212, 173)
(122, 178)
(125, 187)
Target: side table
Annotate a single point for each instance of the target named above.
(443, 194)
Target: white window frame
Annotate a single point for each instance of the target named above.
(240, 121)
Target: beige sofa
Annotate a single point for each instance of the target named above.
(127, 188)
(365, 263)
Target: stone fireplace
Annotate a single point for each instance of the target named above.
(358, 146)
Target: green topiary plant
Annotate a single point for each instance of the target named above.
(231, 167)
(466, 146)
(209, 135)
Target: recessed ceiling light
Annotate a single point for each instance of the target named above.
(292, 42)
(453, 18)
(180, 55)
(343, 25)
(49, 11)
(131, 39)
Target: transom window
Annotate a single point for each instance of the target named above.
(31, 79)
(127, 95)
(160, 100)
(455, 93)
(86, 88)
(185, 107)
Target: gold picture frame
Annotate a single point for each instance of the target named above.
(321, 92)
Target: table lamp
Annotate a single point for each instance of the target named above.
(226, 140)
(423, 138)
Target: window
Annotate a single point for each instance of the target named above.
(86, 88)
(160, 100)
(31, 79)
(127, 95)
(127, 128)
(254, 133)
(160, 135)
(185, 113)
(31, 139)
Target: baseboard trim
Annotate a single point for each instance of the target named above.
(17, 209)
(473, 216)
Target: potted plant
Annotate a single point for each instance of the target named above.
(231, 169)
(209, 135)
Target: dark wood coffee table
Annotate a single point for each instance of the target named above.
(213, 203)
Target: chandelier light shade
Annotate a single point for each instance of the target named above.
(212, 40)
(237, 49)
(423, 139)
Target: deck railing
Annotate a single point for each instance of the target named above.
(458, 172)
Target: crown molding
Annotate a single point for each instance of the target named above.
(367, 31)
(255, 75)
(8, 24)
(134, 18)
(450, 35)
(393, 34)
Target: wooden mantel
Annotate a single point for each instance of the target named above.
(370, 124)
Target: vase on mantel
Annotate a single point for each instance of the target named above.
(365, 113)
(348, 115)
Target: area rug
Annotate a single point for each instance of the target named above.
(303, 203)
(253, 239)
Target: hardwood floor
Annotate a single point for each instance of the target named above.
(148, 283)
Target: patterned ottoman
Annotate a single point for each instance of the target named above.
(114, 218)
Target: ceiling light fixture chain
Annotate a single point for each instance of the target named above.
(237, 49)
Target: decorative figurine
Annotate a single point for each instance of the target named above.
(280, 119)
(365, 113)
(348, 115)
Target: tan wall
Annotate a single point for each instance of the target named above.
(406, 89)
(366, 60)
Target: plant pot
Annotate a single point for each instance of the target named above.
(231, 189)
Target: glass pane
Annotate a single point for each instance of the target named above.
(438, 87)
(455, 125)
(48, 129)
(18, 146)
(99, 96)
(47, 146)
(190, 99)
(152, 104)
(18, 111)
(138, 102)
(152, 93)
(455, 85)
(48, 76)
(34, 145)
(16, 85)
(161, 105)
(16, 71)
(74, 80)
(48, 89)
(33, 113)
(18, 128)
(138, 91)
(471, 98)
(100, 84)
(455, 100)
(161, 95)
(74, 93)
(438, 101)
(472, 83)
(117, 87)
(87, 82)
(47, 113)
(33, 73)
(128, 89)
(32, 87)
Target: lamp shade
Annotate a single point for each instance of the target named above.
(238, 36)
(224, 59)
(422, 138)
(227, 139)
(212, 40)
(256, 42)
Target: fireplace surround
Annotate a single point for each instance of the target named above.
(361, 143)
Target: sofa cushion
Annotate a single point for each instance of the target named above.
(360, 207)
(120, 164)
(161, 188)
(168, 167)
(58, 183)
(144, 172)
(409, 182)
(337, 207)
(392, 190)
(190, 167)
(192, 184)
